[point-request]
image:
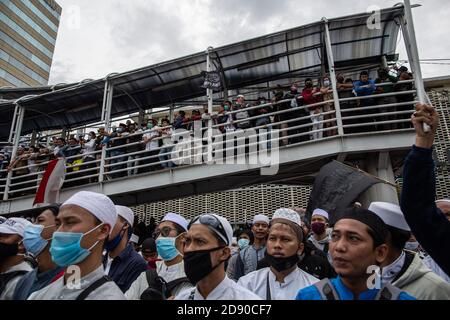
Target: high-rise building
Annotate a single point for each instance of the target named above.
(28, 30)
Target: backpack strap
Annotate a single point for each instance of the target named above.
(97, 284)
(326, 290)
(7, 277)
(151, 275)
(326, 248)
(239, 269)
(170, 286)
(388, 292)
(157, 286)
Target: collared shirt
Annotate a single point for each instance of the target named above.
(226, 290)
(257, 282)
(391, 271)
(311, 293)
(34, 281)
(319, 244)
(58, 290)
(250, 257)
(126, 267)
(8, 292)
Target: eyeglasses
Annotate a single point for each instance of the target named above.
(164, 231)
(213, 222)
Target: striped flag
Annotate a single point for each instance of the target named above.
(52, 181)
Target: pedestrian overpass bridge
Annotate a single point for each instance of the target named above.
(298, 163)
(371, 132)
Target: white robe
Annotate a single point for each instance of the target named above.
(226, 290)
(257, 282)
(58, 290)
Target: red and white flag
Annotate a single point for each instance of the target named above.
(52, 181)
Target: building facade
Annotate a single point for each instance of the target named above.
(28, 31)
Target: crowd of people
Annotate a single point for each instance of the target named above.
(86, 249)
(299, 115)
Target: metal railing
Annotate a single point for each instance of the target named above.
(286, 124)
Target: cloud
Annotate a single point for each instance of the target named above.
(117, 36)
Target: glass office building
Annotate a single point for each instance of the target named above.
(28, 30)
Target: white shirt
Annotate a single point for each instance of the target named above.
(167, 137)
(390, 272)
(58, 290)
(256, 282)
(226, 290)
(89, 147)
(108, 264)
(8, 293)
(430, 263)
(154, 144)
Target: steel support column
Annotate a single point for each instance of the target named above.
(331, 66)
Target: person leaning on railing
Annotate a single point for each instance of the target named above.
(399, 87)
(310, 96)
(20, 163)
(327, 94)
(384, 76)
(365, 87)
(296, 113)
(345, 90)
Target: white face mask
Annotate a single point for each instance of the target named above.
(412, 246)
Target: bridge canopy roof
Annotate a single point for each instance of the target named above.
(295, 53)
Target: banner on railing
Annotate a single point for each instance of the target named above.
(52, 181)
(337, 187)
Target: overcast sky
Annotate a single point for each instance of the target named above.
(103, 36)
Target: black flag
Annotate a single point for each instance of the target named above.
(336, 187)
(212, 80)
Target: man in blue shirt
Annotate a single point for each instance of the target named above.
(357, 247)
(122, 263)
(364, 87)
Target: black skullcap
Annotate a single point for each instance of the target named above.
(370, 219)
(149, 245)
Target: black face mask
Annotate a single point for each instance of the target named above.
(8, 250)
(309, 85)
(282, 264)
(197, 264)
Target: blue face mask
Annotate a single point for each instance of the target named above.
(243, 243)
(66, 249)
(166, 248)
(112, 244)
(32, 239)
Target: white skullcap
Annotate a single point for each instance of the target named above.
(14, 226)
(176, 218)
(261, 218)
(134, 238)
(287, 214)
(321, 212)
(391, 214)
(290, 217)
(443, 200)
(126, 213)
(97, 204)
(226, 226)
